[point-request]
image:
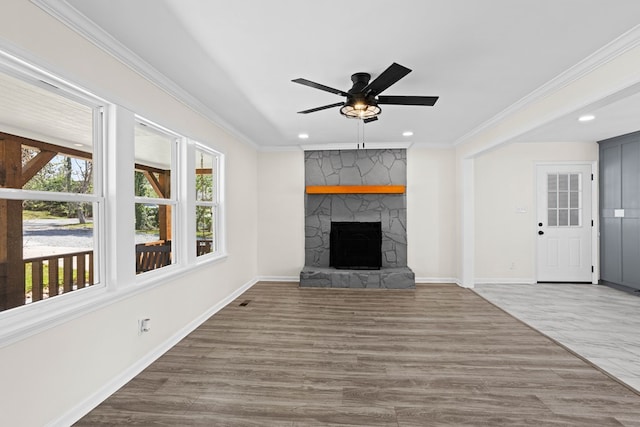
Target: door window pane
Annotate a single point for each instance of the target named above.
(574, 217)
(564, 200)
(563, 182)
(563, 217)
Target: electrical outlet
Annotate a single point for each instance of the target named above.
(144, 325)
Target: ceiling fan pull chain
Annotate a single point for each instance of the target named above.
(362, 133)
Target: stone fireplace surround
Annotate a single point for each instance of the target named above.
(356, 167)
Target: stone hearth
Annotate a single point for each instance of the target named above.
(388, 278)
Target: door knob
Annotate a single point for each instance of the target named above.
(539, 224)
(541, 232)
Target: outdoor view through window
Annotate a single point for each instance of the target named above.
(155, 203)
(47, 236)
(206, 167)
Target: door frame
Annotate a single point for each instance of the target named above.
(595, 214)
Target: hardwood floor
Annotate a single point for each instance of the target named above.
(438, 355)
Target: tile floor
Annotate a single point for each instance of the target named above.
(599, 323)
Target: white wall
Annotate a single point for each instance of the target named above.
(431, 213)
(281, 214)
(430, 218)
(45, 376)
(597, 80)
(505, 241)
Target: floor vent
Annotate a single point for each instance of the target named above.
(245, 303)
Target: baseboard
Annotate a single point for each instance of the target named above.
(507, 281)
(420, 280)
(84, 407)
(462, 285)
(278, 278)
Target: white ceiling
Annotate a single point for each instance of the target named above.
(33, 110)
(237, 58)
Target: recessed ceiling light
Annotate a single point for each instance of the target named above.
(407, 133)
(586, 118)
(303, 135)
(78, 145)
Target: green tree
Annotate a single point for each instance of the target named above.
(61, 174)
(146, 216)
(204, 214)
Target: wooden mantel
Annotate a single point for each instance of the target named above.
(356, 189)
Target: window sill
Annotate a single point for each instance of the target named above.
(212, 258)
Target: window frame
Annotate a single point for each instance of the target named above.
(21, 321)
(217, 204)
(174, 200)
(214, 204)
(113, 199)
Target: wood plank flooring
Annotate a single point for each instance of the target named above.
(439, 355)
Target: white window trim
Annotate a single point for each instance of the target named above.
(217, 204)
(173, 201)
(26, 320)
(111, 250)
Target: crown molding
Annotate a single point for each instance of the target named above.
(355, 146)
(350, 146)
(78, 22)
(433, 145)
(279, 148)
(604, 55)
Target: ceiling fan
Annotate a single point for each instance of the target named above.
(363, 99)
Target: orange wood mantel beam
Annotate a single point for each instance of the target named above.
(356, 189)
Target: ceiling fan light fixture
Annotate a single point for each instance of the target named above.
(364, 96)
(357, 109)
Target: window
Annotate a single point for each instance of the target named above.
(564, 199)
(53, 243)
(50, 189)
(155, 152)
(207, 202)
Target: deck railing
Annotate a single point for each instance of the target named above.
(152, 255)
(67, 272)
(75, 270)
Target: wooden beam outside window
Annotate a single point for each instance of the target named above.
(34, 166)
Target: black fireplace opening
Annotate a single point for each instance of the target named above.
(356, 245)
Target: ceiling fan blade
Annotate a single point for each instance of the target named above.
(324, 107)
(370, 119)
(309, 83)
(388, 77)
(408, 100)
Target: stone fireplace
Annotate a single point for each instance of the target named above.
(361, 179)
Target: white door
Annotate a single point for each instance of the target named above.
(564, 224)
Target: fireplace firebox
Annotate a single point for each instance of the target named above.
(355, 245)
